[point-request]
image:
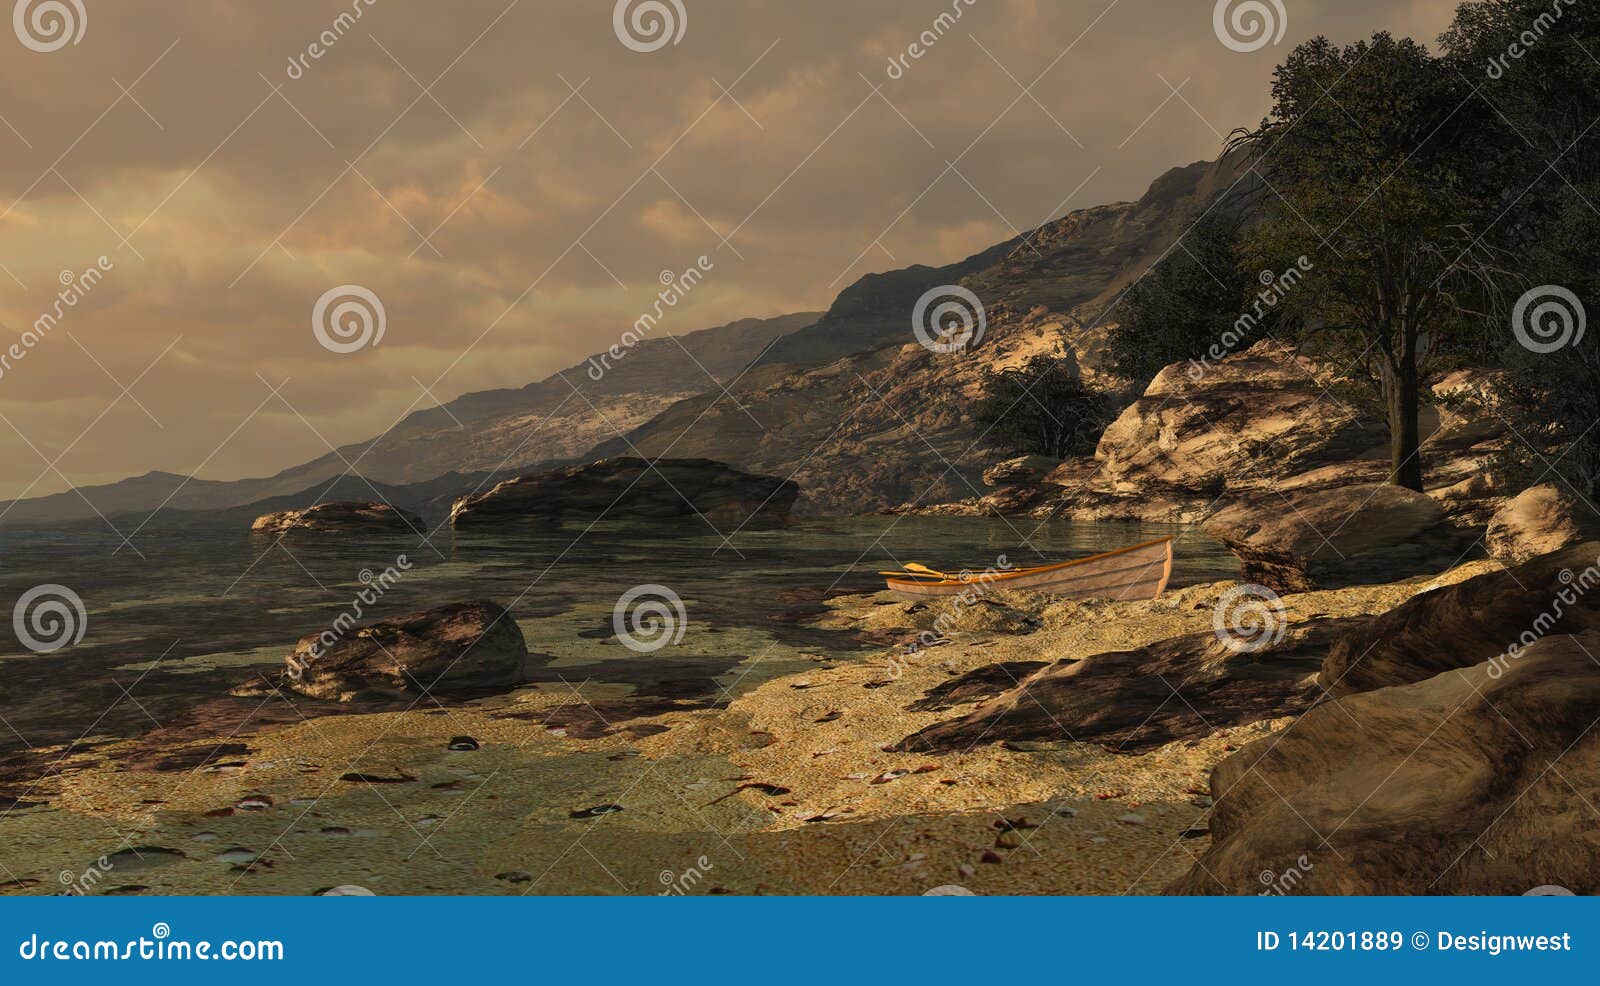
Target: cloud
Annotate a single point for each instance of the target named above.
(510, 179)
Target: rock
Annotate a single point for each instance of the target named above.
(1461, 625)
(1025, 500)
(595, 812)
(1026, 469)
(1538, 521)
(1260, 414)
(464, 646)
(632, 489)
(1477, 781)
(1265, 421)
(1127, 699)
(341, 517)
(977, 685)
(1346, 536)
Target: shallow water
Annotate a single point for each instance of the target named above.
(189, 615)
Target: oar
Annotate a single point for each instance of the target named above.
(917, 571)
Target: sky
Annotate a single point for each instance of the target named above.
(205, 203)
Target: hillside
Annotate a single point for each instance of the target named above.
(882, 420)
(488, 431)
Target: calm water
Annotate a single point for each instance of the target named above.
(169, 632)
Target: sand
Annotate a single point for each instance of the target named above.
(758, 796)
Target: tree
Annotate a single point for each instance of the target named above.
(1195, 297)
(1551, 391)
(1532, 62)
(1043, 408)
(1374, 153)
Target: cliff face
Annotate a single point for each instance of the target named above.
(864, 417)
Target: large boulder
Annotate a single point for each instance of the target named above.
(461, 648)
(1351, 535)
(1481, 780)
(339, 518)
(1490, 617)
(632, 489)
(1538, 521)
(1252, 417)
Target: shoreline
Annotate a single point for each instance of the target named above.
(785, 789)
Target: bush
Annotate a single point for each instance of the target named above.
(1042, 408)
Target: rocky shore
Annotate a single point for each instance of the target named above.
(1038, 747)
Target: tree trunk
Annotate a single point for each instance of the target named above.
(1405, 438)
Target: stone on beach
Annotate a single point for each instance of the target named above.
(460, 647)
(1445, 786)
(1351, 535)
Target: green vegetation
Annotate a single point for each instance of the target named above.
(1043, 408)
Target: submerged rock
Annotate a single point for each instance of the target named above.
(340, 517)
(631, 489)
(460, 647)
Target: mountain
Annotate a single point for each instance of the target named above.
(847, 403)
(490, 431)
(865, 418)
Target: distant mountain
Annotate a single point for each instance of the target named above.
(863, 417)
(493, 431)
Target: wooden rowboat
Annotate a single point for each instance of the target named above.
(1125, 575)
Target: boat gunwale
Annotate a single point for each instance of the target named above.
(986, 579)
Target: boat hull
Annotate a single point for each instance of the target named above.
(1129, 575)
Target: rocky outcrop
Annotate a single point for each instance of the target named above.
(1539, 521)
(1260, 415)
(340, 518)
(1491, 617)
(1480, 780)
(1023, 470)
(632, 489)
(1132, 701)
(1266, 421)
(1332, 538)
(461, 648)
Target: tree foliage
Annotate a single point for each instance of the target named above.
(1042, 407)
(1190, 301)
(1373, 153)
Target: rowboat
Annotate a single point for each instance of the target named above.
(1126, 575)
